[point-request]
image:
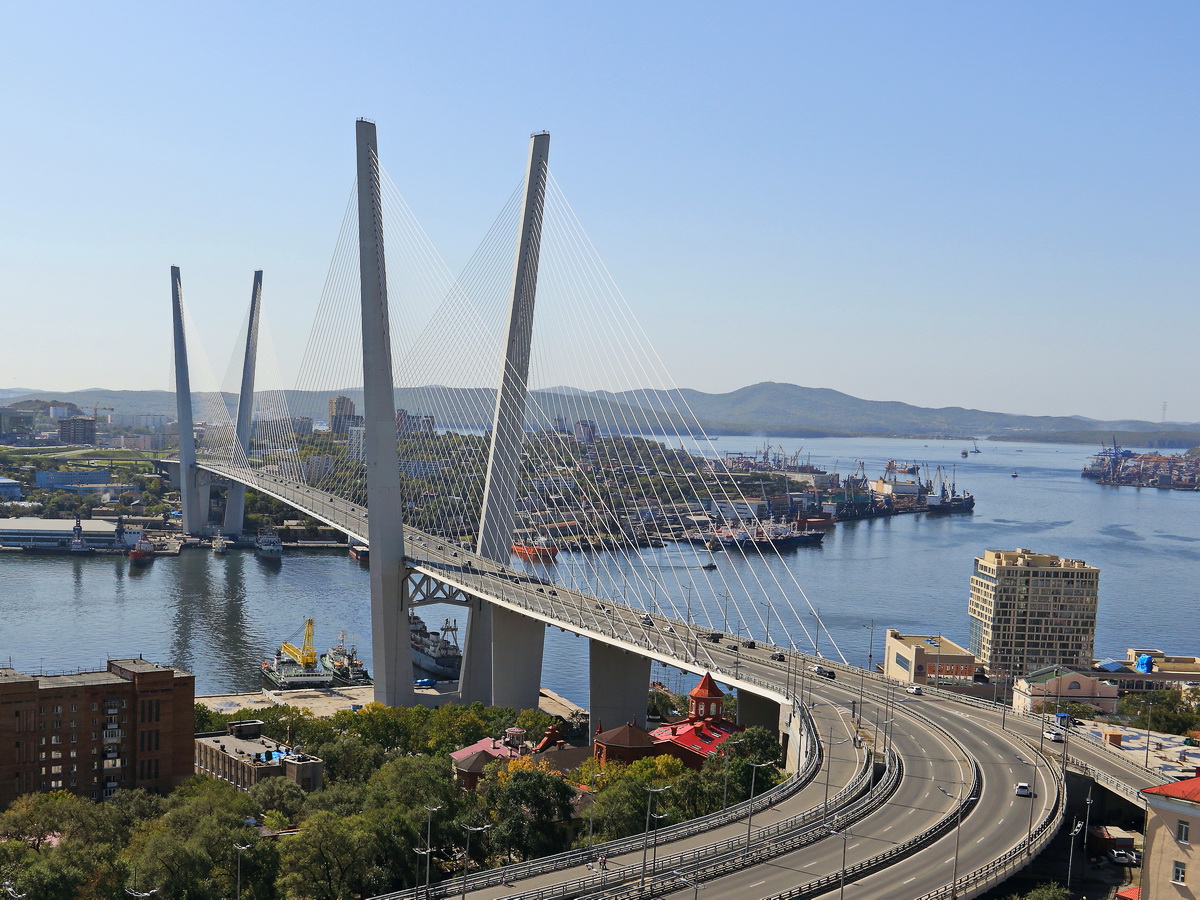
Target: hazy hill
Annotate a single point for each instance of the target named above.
(781, 410)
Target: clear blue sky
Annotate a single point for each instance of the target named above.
(980, 204)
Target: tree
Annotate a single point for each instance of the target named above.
(531, 807)
(332, 858)
(1048, 891)
(278, 794)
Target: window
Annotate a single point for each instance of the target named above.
(1182, 831)
(1179, 872)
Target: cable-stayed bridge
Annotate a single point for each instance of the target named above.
(468, 446)
(491, 452)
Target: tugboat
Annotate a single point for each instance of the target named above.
(268, 545)
(344, 665)
(297, 667)
(142, 553)
(79, 546)
(360, 552)
(537, 550)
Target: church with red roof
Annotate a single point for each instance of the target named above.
(704, 730)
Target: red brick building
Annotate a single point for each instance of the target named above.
(703, 732)
(93, 733)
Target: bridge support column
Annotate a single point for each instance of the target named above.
(504, 458)
(755, 709)
(235, 497)
(619, 682)
(517, 644)
(195, 513)
(390, 648)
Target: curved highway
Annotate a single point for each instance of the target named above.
(949, 747)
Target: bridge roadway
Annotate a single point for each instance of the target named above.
(997, 822)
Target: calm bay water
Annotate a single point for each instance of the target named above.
(220, 616)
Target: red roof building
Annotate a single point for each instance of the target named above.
(705, 729)
(1171, 864)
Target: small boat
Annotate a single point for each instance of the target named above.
(142, 553)
(344, 665)
(79, 546)
(708, 567)
(268, 545)
(297, 667)
(964, 454)
(975, 447)
(1014, 474)
(537, 550)
(220, 546)
(360, 552)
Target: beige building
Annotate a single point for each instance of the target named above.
(1043, 690)
(1171, 864)
(1032, 610)
(244, 756)
(926, 658)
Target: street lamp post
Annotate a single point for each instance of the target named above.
(1087, 823)
(1071, 855)
(842, 875)
(830, 744)
(754, 767)
(429, 810)
(650, 792)
(1029, 830)
(240, 848)
(1149, 715)
(592, 814)
(957, 835)
(467, 854)
(767, 637)
(725, 795)
(694, 885)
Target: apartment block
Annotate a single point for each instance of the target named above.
(93, 733)
(1032, 610)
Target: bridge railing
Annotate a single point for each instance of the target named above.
(570, 858)
(721, 857)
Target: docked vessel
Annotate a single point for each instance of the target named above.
(537, 550)
(297, 667)
(268, 545)
(361, 552)
(142, 553)
(944, 497)
(344, 665)
(79, 546)
(437, 654)
(765, 536)
(220, 546)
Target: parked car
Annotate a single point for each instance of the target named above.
(822, 671)
(778, 657)
(425, 682)
(1052, 735)
(1023, 789)
(1118, 857)
(914, 689)
(1135, 857)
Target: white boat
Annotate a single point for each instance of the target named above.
(220, 546)
(268, 545)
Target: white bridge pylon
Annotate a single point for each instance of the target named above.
(603, 463)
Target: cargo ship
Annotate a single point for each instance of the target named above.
(360, 552)
(437, 654)
(142, 553)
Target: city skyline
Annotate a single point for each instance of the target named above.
(994, 206)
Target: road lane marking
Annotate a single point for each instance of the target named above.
(757, 883)
(914, 878)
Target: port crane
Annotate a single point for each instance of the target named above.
(306, 653)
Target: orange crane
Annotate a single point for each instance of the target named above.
(96, 410)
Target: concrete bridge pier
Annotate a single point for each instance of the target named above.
(755, 709)
(235, 497)
(619, 682)
(517, 645)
